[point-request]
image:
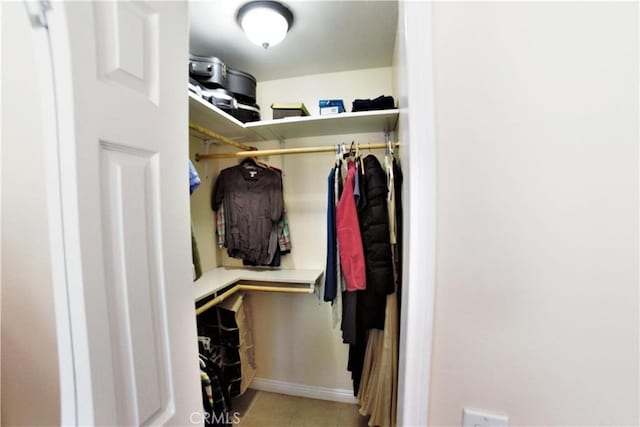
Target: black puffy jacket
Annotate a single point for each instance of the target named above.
(374, 227)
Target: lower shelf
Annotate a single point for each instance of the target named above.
(219, 278)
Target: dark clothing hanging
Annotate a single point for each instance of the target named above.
(349, 311)
(397, 180)
(253, 205)
(356, 357)
(216, 403)
(330, 279)
(275, 262)
(364, 309)
(374, 224)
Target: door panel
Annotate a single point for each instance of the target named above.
(127, 45)
(121, 85)
(135, 294)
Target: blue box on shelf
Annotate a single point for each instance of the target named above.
(331, 106)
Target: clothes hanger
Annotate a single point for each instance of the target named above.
(348, 154)
(206, 342)
(256, 162)
(387, 139)
(268, 166)
(361, 160)
(251, 161)
(388, 161)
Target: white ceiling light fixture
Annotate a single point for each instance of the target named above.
(265, 22)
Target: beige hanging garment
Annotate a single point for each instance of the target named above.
(379, 384)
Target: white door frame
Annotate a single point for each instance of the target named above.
(54, 106)
(419, 192)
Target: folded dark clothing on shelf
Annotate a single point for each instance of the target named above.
(380, 103)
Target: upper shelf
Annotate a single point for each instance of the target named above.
(338, 124)
(204, 114)
(211, 117)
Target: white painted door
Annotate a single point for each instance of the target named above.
(120, 72)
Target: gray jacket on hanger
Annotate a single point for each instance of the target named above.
(253, 205)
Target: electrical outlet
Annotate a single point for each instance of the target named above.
(479, 418)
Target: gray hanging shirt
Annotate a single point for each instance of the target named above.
(253, 206)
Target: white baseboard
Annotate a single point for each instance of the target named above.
(304, 390)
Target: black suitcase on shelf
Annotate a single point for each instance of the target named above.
(208, 70)
(221, 98)
(242, 85)
(247, 112)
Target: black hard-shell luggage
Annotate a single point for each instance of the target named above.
(247, 112)
(242, 85)
(221, 98)
(208, 70)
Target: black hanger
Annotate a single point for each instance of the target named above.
(250, 163)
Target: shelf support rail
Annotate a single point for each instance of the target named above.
(288, 151)
(251, 287)
(220, 138)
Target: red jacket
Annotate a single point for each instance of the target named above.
(348, 234)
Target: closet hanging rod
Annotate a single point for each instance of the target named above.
(285, 151)
(218, 137)
(248, 287)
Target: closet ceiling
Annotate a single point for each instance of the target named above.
(326, 36)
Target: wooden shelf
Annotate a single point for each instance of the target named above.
(204, 114)
(338, 124)
(219, 278)
(207, 115)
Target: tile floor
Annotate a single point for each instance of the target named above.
(263, 409)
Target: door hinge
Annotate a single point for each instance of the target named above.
(41, 17)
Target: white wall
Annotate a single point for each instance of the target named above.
(30, 380)
(537, 244)
(413, 84)
(293, 334)
(345, 85)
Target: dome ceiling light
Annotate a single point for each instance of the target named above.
(265, 22)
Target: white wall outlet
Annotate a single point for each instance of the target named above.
(480, 418)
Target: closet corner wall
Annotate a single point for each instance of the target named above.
(294, 341)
